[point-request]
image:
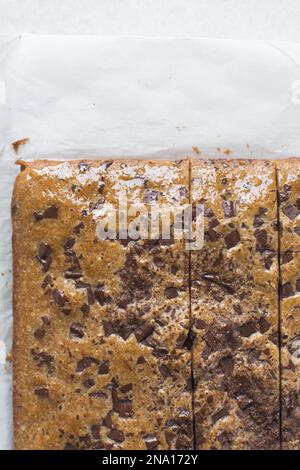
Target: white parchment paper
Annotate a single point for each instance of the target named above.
(76, 97)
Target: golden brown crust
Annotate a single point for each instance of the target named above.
(101, 364)
(234, 306)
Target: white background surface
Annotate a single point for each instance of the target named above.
(237, 19)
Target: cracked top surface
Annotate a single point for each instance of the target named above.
(234, 306)
(99, 343)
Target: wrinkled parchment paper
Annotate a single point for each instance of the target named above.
(77, 96)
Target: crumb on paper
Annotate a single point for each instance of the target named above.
(196, 150)
(227, 152)
(18, 143)
(219, 149)
(9, 357)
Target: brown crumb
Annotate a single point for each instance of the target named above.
(227, 151)
(196, 149)
(9, 357)
(17, 144)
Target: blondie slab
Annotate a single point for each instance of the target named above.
(234, 298)
(101, 357)
(289, 196)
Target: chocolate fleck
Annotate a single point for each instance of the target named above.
(44, 256)
(76, 330)
(171, 292)
(142, 332)
(116, 435)
(41, 392)
(227, 364)
(247, 329)
(229, 209)
(49, 213)
(151, 441)
(103, 368)
(232, 239)
(88, 383)
(291, 212)
(59, 297)
(287, 290)
(39, 333)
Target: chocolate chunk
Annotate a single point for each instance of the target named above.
(298, 285)
(49, 213)
(107, 421)
(159, 262)
(83, 167)
(232, 239)
(151, 195)
(225, 438)
(216, 279)
(76, 330)
(108, 328)
(82, 285)
(257, 221)
(125, 408)
(213, 223)
(85, 308)
(171, 292)
(124, 300)
(101, 297)
(66, 311)
(90, 296)
(165, 371)
(211, 235)
(219, 415)
(208, 212)
(43, 359)
(78, 228)
(227, 364)
(69, 243)
(188, 343)
(44, 256)
(39, 333)
(285, 193)
(264, 325)
(47, 281)
(85, 362)
(291, 212)
(103, 368)
(88, 383)
(247, 329)
(126, 388)
(59, 297)
(142, 332)
(287, 256)
(41, 392)
(116, 435)
(95, 431)
(262, 239)
(72, 274)
(268, 258)
(151, 441)
(46, 319)
(297, 231)
(287, 290)
(229, 209)
(141, 360)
